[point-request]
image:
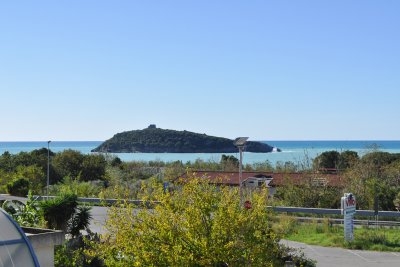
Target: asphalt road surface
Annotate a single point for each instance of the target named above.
(333, 257)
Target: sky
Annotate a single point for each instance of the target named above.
(268, 70)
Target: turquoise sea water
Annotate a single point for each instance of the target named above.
(295, 151)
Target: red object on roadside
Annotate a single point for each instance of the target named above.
(247, 204)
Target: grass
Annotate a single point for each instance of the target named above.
(327, 235)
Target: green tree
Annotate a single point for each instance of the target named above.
(378, 159)
(374, 178)
(348, 159)
(5, 178)
(229, 163)
(35, 175)
(396, 202)
(198, 224)
(93, 167)
(7, 161)
(18, 187)
(68, 163)
(327, 160)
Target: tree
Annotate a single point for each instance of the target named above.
(35, 175)
(197, 224)
(327, 160)
(374, 179)
(229, 163)
(5, 178)
(93, 167)
(18, 187)
(396, 202)
(6, 161)
(347, 159)
(378, 159)
(68, 163)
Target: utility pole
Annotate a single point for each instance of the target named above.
(48, 169)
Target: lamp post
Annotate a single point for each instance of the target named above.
(239, 143)
(48, 168)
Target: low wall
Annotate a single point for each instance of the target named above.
(43, 242)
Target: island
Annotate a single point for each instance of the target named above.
(157, 140)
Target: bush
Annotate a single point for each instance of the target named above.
(197, 224)
(74, 186)
(27, 214)
(63, 213)
(18, 187)
(59, 210)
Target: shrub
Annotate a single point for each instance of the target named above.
(197, 224)
(18, 187)
(63, 213)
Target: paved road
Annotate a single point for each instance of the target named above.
(333, 257)
(8, 197)
(99, 215)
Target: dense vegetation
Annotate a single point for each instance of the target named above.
(156, 140)
(374, 178)
(28, 170)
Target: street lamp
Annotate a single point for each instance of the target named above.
(48, 169)
(239, 143)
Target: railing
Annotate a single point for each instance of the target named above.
(334, 211)
(366, 213)
(332, 221)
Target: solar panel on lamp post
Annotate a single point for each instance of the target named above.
(239, 143)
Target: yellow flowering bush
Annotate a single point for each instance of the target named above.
(195, 224)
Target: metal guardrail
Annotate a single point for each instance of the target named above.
(356, 222)
(334, 211)
(369, 213)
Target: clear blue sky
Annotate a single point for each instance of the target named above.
(270, 70)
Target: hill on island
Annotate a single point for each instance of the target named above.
(157, 140)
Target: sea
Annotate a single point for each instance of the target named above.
(298, 152)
